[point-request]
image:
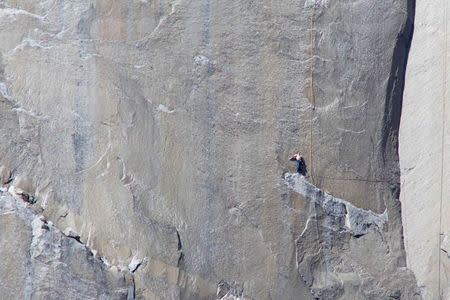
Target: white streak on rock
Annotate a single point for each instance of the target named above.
(316, 3)
(306, 227)
(29, 113)
(4, 91)
(351, 131)
(27, 42)
(201, 60)
(165, 109)
(13, 12)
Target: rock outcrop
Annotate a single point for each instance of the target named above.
(40, 262)
(332, 250)
(157, 133)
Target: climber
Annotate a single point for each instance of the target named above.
(301, 165)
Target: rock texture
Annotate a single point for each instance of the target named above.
(332, 249)
(424, 149)
(40, 262)
(156, 133)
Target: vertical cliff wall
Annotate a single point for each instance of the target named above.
(156, 133)
(424, 148)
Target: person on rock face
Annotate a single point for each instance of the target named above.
(301, 165)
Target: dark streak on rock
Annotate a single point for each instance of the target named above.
(179, 241)
(395, 87)
(180, 247)
(136, 267)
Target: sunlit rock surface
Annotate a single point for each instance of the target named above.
(424, 151)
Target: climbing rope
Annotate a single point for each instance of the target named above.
(312, 99)
(354, 179)
(311, 93)
(442, 145)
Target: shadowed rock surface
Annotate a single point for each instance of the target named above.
(156, 132)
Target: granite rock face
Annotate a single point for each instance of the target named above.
(336, 241)
(157, 132)
(40, 262)
(424, 151)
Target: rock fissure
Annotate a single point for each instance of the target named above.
(136, 263)
(180, 250)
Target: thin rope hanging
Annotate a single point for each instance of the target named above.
(442, 144)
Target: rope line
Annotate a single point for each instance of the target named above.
(353, 179)
(312, 96)
(442, 145)
(312, 33)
